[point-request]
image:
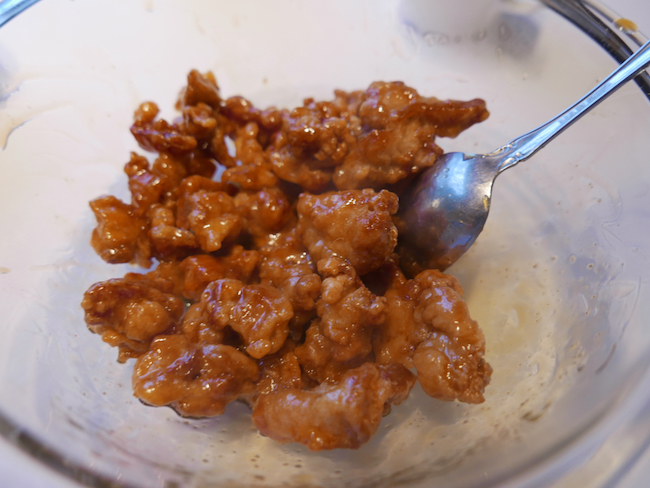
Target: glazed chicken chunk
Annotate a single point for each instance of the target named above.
(129, 312)
(345, 414)
(195, 380)
(428, 327)
(355, 225)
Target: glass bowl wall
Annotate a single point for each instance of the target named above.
(557, 280)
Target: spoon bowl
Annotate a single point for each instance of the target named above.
(445, 211)
(446, 208)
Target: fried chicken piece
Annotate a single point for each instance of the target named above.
(199, 121)
(160, 182)
(252, 170)
(449, 361)
(280, 370)
(250, 177)
(260, 314)
(213, 219)
(348, 104)
(195, 380)
(314, 138)
(250, 129)
(158, 135)
(355, 225)
(198, 328)
(242, 111)
(120, 235)
(399, 131)
(341, 415)
(387, 103)
(265, 212)
(145, 186)
(348, 311)
(194, 184)
(341, 337)
(200, 105)
(395, 339)
(287, 266)
(168, 276)
(290, 167)
(200, 89)
(223, 134)
(129, 312)
(199, 164)
(320, 131)
(171, 171)
(247, 147)
(206, 209)
(169, 241)
(201, 270)
(428, 327)
(386, 156)
(316, 357)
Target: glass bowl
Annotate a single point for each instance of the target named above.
(558, 279)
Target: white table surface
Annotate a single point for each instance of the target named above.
(18, 470)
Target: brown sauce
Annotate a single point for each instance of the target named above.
(259, 287)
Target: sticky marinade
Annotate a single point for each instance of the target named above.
(279, 284)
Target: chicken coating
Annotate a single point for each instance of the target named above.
(278, 371)
(341, 415)
(264, 212)
(399, 131)
(191, 185)
(278, 281)
(250, 176)
(314, 138)
(386, 103)
(395, 340)
(202, 269)
(199, 103)
(198, 328)
(159, 182)
(384, 157)
(341, 338)
(145, 186)
(159, 135)
(168, 240)
(199, 121)
(212, 218)
(287, 266)
(242, 112)
(428, 327)
(252, 170)
(355, 225)
(450, 360)
(200, 89)
(120, 235)
(167, 276)
(260, 314)
(129, 312)
(195, 380)
(348, 311)
(316, 357)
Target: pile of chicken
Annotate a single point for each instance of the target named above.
(277, 283)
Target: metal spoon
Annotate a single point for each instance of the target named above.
(441, 216)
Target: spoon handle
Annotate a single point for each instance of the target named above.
(525, 146)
